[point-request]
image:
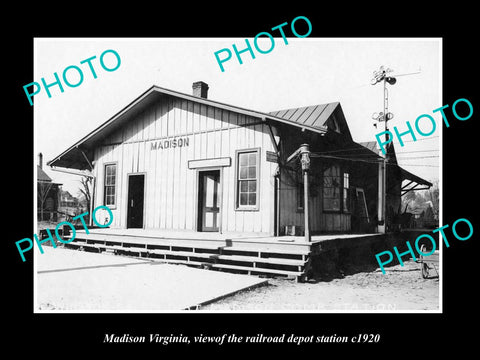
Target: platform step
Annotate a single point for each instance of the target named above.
(191, 254)
(124, 241)
(198, 245)
(250, 259)
(270, 260)
(258, 270)
(270, 250)
(256, 259)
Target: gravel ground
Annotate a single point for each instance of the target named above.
(402, 288)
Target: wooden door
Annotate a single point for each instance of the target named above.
(209, 200)
(135, 201)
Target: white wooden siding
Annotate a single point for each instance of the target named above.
(170, 187)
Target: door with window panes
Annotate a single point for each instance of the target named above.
(209, 200)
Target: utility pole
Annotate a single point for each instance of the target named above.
(378, 76)
(383, 75)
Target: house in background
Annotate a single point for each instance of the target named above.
(69, 205)
(48, 194)
(424, 216)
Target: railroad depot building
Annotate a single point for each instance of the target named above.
(175, 161)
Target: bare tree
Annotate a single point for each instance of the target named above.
(434, 193)
(86, 188)
(42, 194)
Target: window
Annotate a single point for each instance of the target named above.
(247, 179)
(336, 193)
(331, 188)
(346, 192)
(110, 184)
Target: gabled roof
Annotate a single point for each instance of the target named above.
(314, 115)
(42, 176)
(370, 145)
(322, 116)
(74, 157)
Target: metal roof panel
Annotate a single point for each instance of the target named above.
(308, 110)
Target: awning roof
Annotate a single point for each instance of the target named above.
(75, 156)
(414, 183)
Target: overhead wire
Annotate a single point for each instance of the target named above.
(418, 157)
(428, 138)
(343, 150)
(416, 151)
(292, 180)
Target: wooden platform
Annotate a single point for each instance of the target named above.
(254, 254)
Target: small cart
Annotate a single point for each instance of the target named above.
(428, 263)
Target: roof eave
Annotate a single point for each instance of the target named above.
(406, 175)
(160, 90)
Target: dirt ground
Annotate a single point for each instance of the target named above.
(70, 280)
(402, 288)
(343, 281)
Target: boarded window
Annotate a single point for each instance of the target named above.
(247, 179)
(110, 184)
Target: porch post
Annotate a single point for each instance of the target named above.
(305, 160)
(92, 200)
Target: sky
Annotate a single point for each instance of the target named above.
(305, 72)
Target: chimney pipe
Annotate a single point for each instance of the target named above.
(200, 89)
(40, 160)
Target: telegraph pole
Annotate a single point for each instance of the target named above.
(383, 75)
(378, 76)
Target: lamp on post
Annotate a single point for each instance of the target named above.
(305, 161)
(304, 153)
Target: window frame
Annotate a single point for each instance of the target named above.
(105, 165)
(342, 171)
(349, 202)
(239, 207)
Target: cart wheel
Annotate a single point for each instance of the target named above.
(425, 271)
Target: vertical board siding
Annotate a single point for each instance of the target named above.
(230, 201)
(170, 187)
(319, 221)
